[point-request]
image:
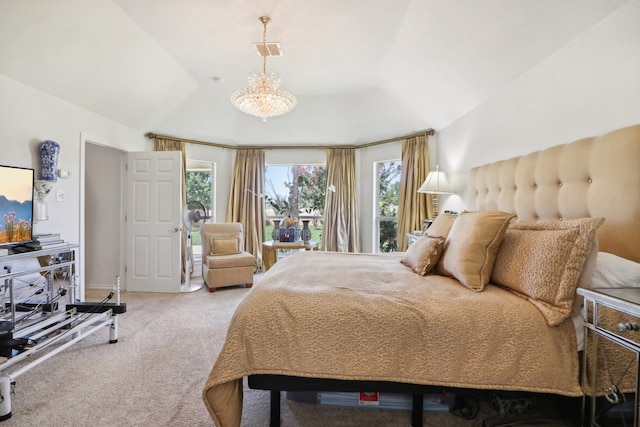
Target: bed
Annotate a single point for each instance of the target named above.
(499, 320)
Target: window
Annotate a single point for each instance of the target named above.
(199, 187)
(388, 188)
(297, 191)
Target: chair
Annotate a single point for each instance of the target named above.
(224, 260)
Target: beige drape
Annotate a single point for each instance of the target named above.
(246, 202)
(170, 145)
(413, 207)
(340, 233)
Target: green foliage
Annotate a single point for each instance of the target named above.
(388, 232)
(280, 203)
(389, 174)
(307, 187)
(312, 185)
(389, 187)
(199, 187)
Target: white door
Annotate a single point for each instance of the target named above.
(154, 207)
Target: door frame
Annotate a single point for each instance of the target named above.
(84, 140)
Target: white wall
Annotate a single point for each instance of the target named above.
(589, 87)
(27, 117)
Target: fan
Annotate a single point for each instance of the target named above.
(194, 215)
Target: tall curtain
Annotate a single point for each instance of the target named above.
(413, 207)
(340, 233)
(246, 203)
(171, 145)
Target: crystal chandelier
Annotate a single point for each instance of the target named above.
(263, 97)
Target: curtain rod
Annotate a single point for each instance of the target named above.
(290, 147)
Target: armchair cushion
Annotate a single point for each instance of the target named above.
(241, 259)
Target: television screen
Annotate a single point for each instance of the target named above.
(16, 205)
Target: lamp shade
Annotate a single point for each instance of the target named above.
(436, 183)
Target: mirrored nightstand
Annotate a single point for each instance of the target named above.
(612, 356)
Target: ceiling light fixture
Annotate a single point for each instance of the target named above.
(263, 97)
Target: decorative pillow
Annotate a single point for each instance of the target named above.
(542, 263)
(225, 246)
(423, 254)
(612, 271)
(584, 281)
(231, 235)
(441, 225)
(471, 246)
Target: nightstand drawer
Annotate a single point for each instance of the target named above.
(619, 323)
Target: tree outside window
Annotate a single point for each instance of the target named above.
(297, 191)
(388, 174)
(199, 184)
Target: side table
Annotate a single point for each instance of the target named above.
(270, 250)
(611, 356)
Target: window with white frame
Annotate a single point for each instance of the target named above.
(200, 188)
(387, 191)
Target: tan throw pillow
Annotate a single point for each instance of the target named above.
(471, 246)
(542, 262)
(233, 235)
(441, 225)
(423, 254)
(225, 246)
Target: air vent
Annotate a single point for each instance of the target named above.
(273, 49)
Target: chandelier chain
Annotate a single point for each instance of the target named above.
(264, 20)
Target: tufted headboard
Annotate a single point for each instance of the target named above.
(590, 177)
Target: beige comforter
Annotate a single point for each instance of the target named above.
(368, 317)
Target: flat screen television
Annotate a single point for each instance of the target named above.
(16, 205)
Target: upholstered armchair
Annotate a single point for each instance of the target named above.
(224, 261)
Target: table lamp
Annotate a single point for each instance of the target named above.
(435, 184)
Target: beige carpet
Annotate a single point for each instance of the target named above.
(155, 374)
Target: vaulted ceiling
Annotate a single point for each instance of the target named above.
(362, 70)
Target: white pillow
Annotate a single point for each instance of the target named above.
(613, 271)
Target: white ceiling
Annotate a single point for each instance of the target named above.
(362, 70)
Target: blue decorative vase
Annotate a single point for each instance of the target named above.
(289, 234)
(293, 233)
(49, 151)
(305, 234)
(275, 233)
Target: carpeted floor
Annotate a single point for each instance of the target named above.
(155, 374)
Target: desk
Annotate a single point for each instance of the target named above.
(270, 250)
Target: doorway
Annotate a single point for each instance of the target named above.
(102, 217)
(200, 188)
